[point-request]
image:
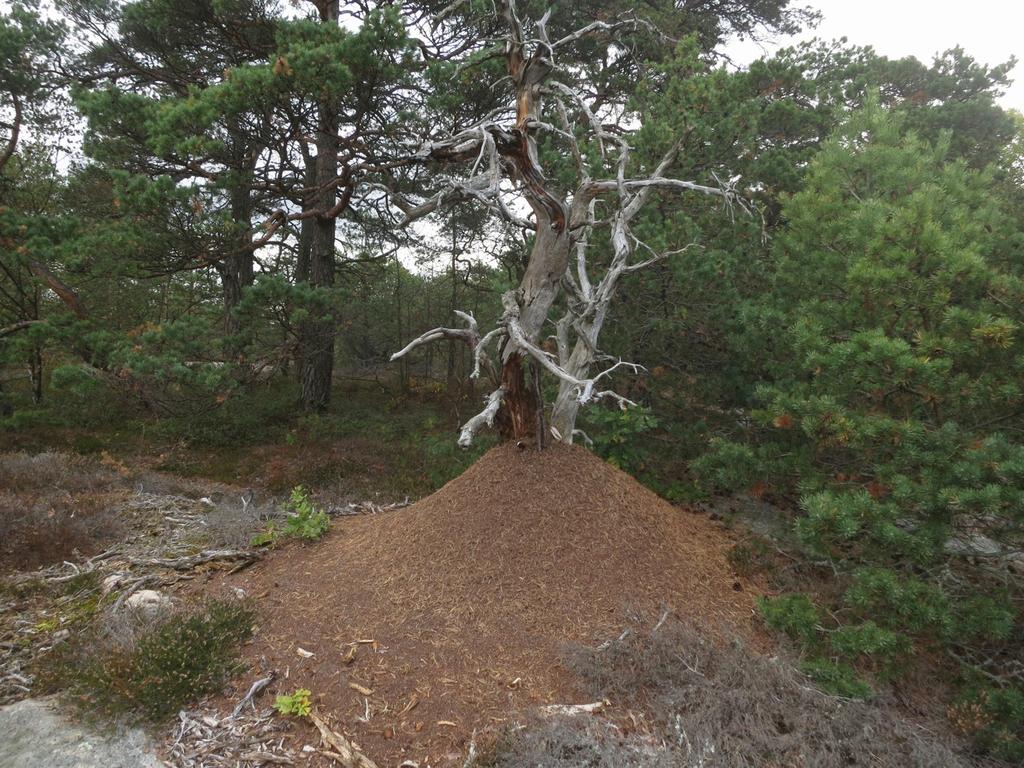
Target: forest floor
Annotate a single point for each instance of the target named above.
(422, 626)
(473, 621)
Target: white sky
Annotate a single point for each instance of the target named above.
(989, 30)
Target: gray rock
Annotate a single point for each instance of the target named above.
(148, 602)
(112, 582)
(34, 734)
(972, 545)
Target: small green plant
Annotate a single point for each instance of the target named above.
(306, 521)
(269, 535)
(751, 557)
(296, 703)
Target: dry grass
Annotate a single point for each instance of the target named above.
(45, 471)
(722, 706)
(56, 507)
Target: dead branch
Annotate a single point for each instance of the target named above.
(482, 419)
(256, 687)
(189, 562)
(584, 387)
(470, 335)
(66, 293)
(19, 326)
(569, 710)
(350, 756)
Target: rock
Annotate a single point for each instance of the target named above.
(111, 583)
(35, 734)
(148, 602)
(972, 545)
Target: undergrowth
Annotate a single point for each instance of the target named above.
(136, 668)
(374, 440)
(305, 521)
(711, 705)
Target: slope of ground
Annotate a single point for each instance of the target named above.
(459, 607)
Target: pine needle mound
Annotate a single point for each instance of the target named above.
(460, 606)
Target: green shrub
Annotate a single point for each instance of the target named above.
(853, 641)
(148, 672)
(305, 521)
(889, 400)
(616, 434)
(837, 679)
(794, 614)
(993, 718)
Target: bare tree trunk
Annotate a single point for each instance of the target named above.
(317, 333)
(567, 404)
(305, 249)
(35, 372)
(6, 408)
(236, 270)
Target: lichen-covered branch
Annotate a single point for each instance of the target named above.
(483, 419)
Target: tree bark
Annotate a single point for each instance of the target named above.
(517, 417)
(35, 372)
(237, 272)
(6, 408)
(317, 333)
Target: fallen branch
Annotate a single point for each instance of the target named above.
(256, 687)
(350, 756)
(190, 562)
(573, 709)
(266, 757)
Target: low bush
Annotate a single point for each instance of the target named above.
(55, 506)
(128, 666)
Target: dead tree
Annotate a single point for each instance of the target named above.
(505, 170)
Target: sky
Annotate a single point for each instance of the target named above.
(989, 30)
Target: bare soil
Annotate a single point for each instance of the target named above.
(459, 608)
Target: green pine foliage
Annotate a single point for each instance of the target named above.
(892, 398)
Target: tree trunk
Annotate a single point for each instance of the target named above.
(517, 418)
(305, 249)
(317, 333)
(578, 363)
(236, 270)
(521, 414)
(35, 372)
(6, 408)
